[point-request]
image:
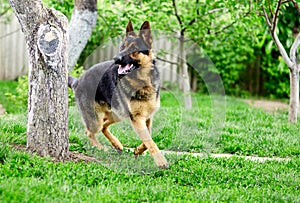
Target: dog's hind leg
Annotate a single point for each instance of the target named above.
(94, 141)
(140, 150)
(105, 130)
(92, 122)
(140, 127)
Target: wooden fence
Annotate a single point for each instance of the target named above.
(13, 61)
(166, 63)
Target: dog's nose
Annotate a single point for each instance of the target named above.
(118, 58)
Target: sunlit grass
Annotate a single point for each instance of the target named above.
(115, 177)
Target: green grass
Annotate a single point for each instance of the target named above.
(246, 130)
(25, 178)
(122, 178)
(7, 87)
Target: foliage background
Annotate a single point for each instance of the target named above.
(232, 33)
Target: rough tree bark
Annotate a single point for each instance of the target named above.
(47, 43)
(291, 60)
(82, 23)
(47, 39)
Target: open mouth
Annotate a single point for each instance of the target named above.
(123, 70)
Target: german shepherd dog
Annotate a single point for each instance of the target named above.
(126, 87)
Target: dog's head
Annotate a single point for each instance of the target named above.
(135, 50)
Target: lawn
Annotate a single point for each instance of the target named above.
(209, 127)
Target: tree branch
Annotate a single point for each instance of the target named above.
(104, 20)
(176, 13)
(296, 6)
(167, 61)
(232, 23)
(223, 28)
(81, 25)
(272, 24)
(215, 11)
(191, 22)
(5, 11)
(286, 1)
(269, 5)
(282, 50)
(275, 16)
(294, 48)
(268, 20)
(272, 27)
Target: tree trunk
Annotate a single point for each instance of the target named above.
(257, 65)
(185, 75)
(194, 81)
(291, 61)
(294, 94)
(82, 23)
(46, 38)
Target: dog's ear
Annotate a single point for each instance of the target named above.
(129, 30)
(145, 33)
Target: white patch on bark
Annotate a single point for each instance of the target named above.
(80, 28)
(185, 75)
(49, 40)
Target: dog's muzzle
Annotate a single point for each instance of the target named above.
(123, 69)
(118, 59)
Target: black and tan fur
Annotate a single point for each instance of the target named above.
(127, 87)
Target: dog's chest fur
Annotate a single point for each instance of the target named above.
(140, 85)
(131, 93)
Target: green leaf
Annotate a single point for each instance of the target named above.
(269, 47)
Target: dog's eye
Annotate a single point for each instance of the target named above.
(133, 49)
(145, 52)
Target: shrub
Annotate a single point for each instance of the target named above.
(19, 99)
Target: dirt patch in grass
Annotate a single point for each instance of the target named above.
(73, 156)
(269, 106)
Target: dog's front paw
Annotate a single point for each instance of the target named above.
(160, 160)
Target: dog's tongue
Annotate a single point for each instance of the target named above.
(124, 69)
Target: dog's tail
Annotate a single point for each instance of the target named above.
(72, 82)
